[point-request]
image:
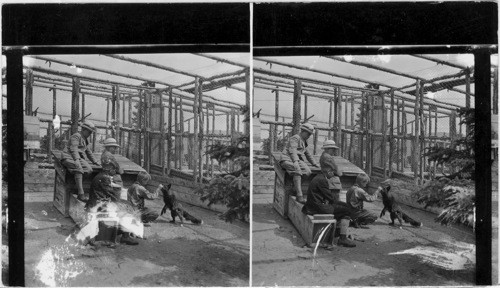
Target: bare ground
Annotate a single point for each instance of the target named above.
(440, 256)
(213, 254)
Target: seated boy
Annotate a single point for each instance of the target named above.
(356, 196)
(110, 147)
(137, 193)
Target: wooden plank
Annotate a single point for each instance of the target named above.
(162, 130)
(181, 121)
(129, 122)
(213, 142)
(107, 116)
(305, 106)
(384, 135)
(296, 106)
(404, 144)
(362, 128)
(247, 101)
(421, 135)
(117, 115)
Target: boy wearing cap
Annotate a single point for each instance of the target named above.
(293, 156)
(327, 160)
(356, 196)
(320, 200)
(137, 193)
(103, 187)
(76, 154)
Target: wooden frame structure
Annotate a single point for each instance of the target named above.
(157, 140)
(375, 138)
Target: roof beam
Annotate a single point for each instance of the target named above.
(218, 59)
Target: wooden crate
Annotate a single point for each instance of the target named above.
(308, 226)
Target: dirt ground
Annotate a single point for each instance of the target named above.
(213, 254)
(384, 255)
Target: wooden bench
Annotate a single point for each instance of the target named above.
(309, 226)
(283, 182)
(65, 187)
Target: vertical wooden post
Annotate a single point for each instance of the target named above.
(276, 118)
(75, 94)
(28, 102)
(271, 143)
(51, 125)
(107, 114)
(139, 126)
(305, 106)
(369, 138)
(169, 136)
(200, 127)
(227, 123)
(207, 132)
(284, 130)
(363, 129)
(383, 155)
(352, 113)
(176, 131)
(195, 125)
(122, 124)
(297, 91)
(129, 121)
(237, 122)
(338, 114)
(247, 101)
(213, 133)
(161, 107)
(330, 118)
(495, 91)
(231, 167)
(315, 141)
(118, 120)
(416, 149)
(467, 97)
(405, 132)
(113, 110)
(83, 105)
(147, 123)
(453, 132)
(421, 157)
(391, 137)
(398, 132)
(181, 121)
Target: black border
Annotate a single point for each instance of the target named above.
(93, 29)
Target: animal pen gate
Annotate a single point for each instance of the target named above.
(164, 129)
(385, 132)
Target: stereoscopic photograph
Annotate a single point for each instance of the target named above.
(126, 158)
(364, 170)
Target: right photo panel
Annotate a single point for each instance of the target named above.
(363, 170)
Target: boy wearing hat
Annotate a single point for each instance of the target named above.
(293, 156)
(137, 193)
(327, 160)
(110, 147)
(103, 187)
(76, 154)
(356, 196)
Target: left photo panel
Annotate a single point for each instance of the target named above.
(130, 163)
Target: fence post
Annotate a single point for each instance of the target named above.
(107, 113)
(416, 149)
(391, 126)
(129, 141)
(75, 94)
(338, 116)
(495, 91)
(213, 133)
(297, 91)
(247, 101)
(363, 129)
(384, 136)
(271, 143)
(181, 120)
(398, 132)
(83, 105)
(29, 92)
(202, 136)
(276, 118)
(113, 110)
(117, 119)
(51, 124)
(195, 124)
(139, 126)
(405, 132)
(422, 121)
(330, 118)
(305, 106)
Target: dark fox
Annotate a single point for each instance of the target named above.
(395, 210)
(175, 207)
